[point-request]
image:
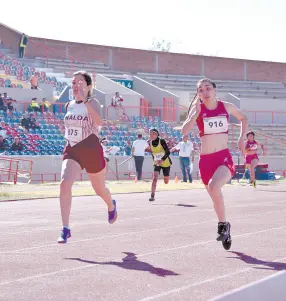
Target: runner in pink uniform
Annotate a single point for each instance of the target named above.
(216, 165)
(251, 157)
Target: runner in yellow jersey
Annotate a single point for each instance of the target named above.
(161, 160)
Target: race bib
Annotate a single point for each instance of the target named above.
(73, 134)
(253, 147)
(215, 125)
(158, 156)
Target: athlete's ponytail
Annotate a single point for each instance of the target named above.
(191, 104)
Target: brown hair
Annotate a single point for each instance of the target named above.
(250, 133)
(203, 80)
(87, 78)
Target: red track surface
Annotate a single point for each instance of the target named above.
(161, 251)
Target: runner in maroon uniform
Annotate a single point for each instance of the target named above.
(215, 164)
(83, 150)
(251, 157)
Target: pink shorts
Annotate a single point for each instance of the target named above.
(209, 163)
(249, 158)
(88, 154)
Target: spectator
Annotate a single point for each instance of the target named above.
(138, 151)
(186, 150)
(34, 82)
(46, 104)
(116, 102)
(22, 46)
(17, 145)
(34, 105)
(127, 148)
(3, 130)
(9, 103)
(32, 122)
(3, 145)
(2, 104)
(24, 122)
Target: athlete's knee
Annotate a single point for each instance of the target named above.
(101, 192)
(213, 187)
(66, 184)
(155, 176)
(166, 180)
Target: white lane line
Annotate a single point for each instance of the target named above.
(152, 253)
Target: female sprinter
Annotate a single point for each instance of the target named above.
(215, 164)
(161, 160)
(83, 150)
(251, 157)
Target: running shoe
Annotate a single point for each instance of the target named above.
(112, 215)
(65, 234)
(223, 231)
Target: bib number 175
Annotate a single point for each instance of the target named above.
(72, 132)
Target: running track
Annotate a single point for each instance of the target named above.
(161, 251)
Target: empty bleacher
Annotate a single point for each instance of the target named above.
(238, 88)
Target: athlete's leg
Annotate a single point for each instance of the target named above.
(252, 167)
(106, 166)
(166, 174)
(220, 178)
(154, 184)
(70, 170)
(98, 183)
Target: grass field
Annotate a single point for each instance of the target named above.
(50, 190)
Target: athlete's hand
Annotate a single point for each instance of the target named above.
(159, 162)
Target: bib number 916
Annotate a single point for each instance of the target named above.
(215, 124)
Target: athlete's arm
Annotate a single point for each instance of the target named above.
(175, 148)
(245, 144)
(94, 108)
(261, 145)
(166, 149)
(191, 119)
(237, 113)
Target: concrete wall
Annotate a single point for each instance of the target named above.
(135, 60)
(101, 96)
(264, 111)
(28, 94)
(51, 167)
(154, 94)
(109, 87)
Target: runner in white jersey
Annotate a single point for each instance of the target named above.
(83, 150)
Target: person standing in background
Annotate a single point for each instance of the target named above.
(23, 45)
(186, 150)
(138, 152)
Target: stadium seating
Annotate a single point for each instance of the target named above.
(249, 89)
(49, 140)
(15, 69)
